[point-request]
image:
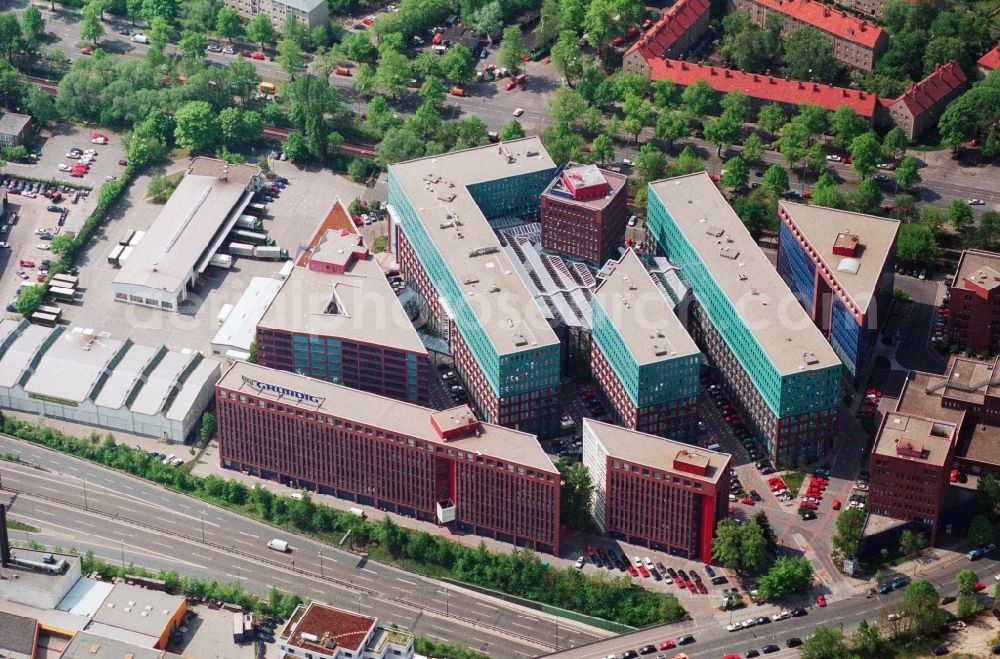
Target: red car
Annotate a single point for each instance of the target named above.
(123, 162)
(667, 644)
(26, 263)
(643, 571)
(820, 600)
(631, 570)
(690, 586)
(747, 500)
(680, 583)
(731, 656)
(701, 587)
(979, 586)
(39, 277)
(244, 53)
(954, 476)
(368, 21)
(87, 51)
(258, 55)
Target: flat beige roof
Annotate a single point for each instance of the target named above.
(385, 413)
(641, 313)
(980, 266)
(744, 274)
(169, 252)
(358, 305)
(437, 189)
(84, 353)
(656, 452)
(913, 435)
(876, 236)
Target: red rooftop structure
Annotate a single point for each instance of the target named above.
(990, 60)
(919, 107)
(671, 35)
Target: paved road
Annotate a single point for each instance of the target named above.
(90, 505)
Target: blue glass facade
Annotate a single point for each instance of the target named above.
(796, 268)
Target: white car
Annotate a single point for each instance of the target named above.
(29, 195)
(976, 202)
(4, 245)
(626, 161)
(22, 274)
(212, 48)
(43, 246)
(228, 50)
(63, 167)
(632, 221)
(579, 563)
(781, 615)
(649, 563)
(894, 616)
(833, 158)
(518, 112)
(749, 622)
(637, 561)
(734, 627)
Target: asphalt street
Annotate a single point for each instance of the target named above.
(129, 519)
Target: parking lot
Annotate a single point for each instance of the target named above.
(292, 218)
(210, 634)
(55, 142)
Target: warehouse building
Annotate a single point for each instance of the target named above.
(444, 467)
(644, 362)
(239, 328)
(840, 265)
(179, 245)
(137, 615)
(338, 319)
(442, 210)
(777, 366)
(117, 385)
(656, 492)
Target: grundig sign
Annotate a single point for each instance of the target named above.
(283, 392)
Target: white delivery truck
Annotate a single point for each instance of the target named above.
(278, 545)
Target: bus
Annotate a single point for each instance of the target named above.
(252, 237)
(115, 254)
(55, 311)
(62, 294)
(66, 281)
(46, 319)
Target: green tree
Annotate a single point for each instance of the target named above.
(722, 132)
(192, 45)
(567, 106)
(981, 530)
(699, 99)
(736, 173)
(457, 64)
(814, 118)
(736, 104)
(28, 299)
(290, 58)
(968, 606)
(688, 162)
(792, 143)
(809, 56)
(868, 197)
(845, 125)
(575, 494)
(775, 180)
(847, 539)
(398, 144)
(42, 106)
(867, 639)
(988, 496)
(749, 47)
(600, 22)
(392, 74)
(987, 233)
(549, 25)
(165, 9)
(825, 643)
(238, 127)
(916, 244)
(664, 94)
(920, 600)
(380, 118)
(866, 152)
(512, 130)
(912, 544)
(753, 148)
(207, 427)
(603, 148)
(650, 163)
(771, 117)
(295, 146)
(786, 576)
(91, 27)
(32, 24)
(726, 544)
(243, 79)
(966, 580)
(61, 243)
(959, 214)
(908, 173)
(672, 126)
(816, 159)
(197, 125)
(10, 35)
(511, 47)
(638, 114)
(567, 56)
(358, 47)
(260, 30)
(894, 143)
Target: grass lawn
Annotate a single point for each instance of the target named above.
(793, 480)
(380, 244)
(15, 525)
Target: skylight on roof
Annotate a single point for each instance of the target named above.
(850, 265)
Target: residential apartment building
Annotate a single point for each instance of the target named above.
(441, 210)
(320, 631)
(656, 492)
(311, 13)
(918, 108)
(777, 366)
(14, 128)
(909, 469)
(840, 266)
(584, 213)
(444, 467)
(974, 304)
(856, 42)
(644, 362)
(337, 319)
(673, 34)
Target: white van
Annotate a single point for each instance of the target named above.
(358, 512)
(278, 545)
(140, 38)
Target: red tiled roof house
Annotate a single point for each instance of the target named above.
(920, 106)
(671, 35)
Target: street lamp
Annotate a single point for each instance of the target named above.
(203, 526)
(86, 505)
(321, 575)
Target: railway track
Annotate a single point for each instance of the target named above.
(268, 131)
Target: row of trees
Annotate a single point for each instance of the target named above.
(520, 572)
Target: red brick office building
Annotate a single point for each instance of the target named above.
(974, 306)
(584, 213)
(444, 467)
(656, 492)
